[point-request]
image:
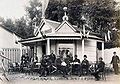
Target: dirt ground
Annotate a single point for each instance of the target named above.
(26, 79)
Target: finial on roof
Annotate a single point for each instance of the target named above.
(65, 17)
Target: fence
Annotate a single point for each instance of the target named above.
(13, 54)
(108, 53)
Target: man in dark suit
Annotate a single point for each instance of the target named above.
(99, 68)
(52, 57)
(61, 66)
(76, 59)
(115, 60)
(85, 65)
(76, 66)
(45, 64)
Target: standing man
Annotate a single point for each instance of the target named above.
(115, 60)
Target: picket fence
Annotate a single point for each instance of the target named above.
(13, 54)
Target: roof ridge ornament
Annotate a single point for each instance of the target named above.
(65, 17)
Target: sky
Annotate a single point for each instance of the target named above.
(14, 9)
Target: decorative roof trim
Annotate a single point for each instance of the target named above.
(67, 24)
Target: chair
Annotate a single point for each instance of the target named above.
(103, 75)
(13, 67)
(10, 67)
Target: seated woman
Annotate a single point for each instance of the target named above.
(100, 68)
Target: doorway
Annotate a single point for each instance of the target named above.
(64, 49)
(44, 49)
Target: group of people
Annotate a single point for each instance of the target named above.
(67, 65)
(27, 61)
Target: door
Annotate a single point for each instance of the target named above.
(64, 49)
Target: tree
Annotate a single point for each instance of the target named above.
(99, 15)
(116, 34)
(34, 12)
(21, 27)
(9, 24)
(1, 20)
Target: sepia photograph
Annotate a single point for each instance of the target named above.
(59, 41)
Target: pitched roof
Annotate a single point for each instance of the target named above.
(7, 29)
(65, 22)
(54, 24)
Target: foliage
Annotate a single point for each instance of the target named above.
(99, 15)
(19, 26)
(34, 12)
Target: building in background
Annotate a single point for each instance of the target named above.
(9, 45)
(64, 38)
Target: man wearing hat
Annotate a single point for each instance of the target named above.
(52, 56)
(115, 60)
(76, 66)
(61, 66)
(85, 65)
(45, 63)
(100, 68)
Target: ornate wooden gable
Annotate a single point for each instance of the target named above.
(66, 28)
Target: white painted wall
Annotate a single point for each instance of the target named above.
(79, 49)
(108, 53)
(7, 39)
(90, 50)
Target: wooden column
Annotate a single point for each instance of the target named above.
(20, 50)
(48, 46)
(83, 47)
(103, 50)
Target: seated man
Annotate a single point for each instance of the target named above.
(76, 66)
(85, 65)
(23, 63)
(100, 68)
(76, 59)
(61, 66)
(67, 60)
(45, 64)
(52, 56)
(34, 60)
